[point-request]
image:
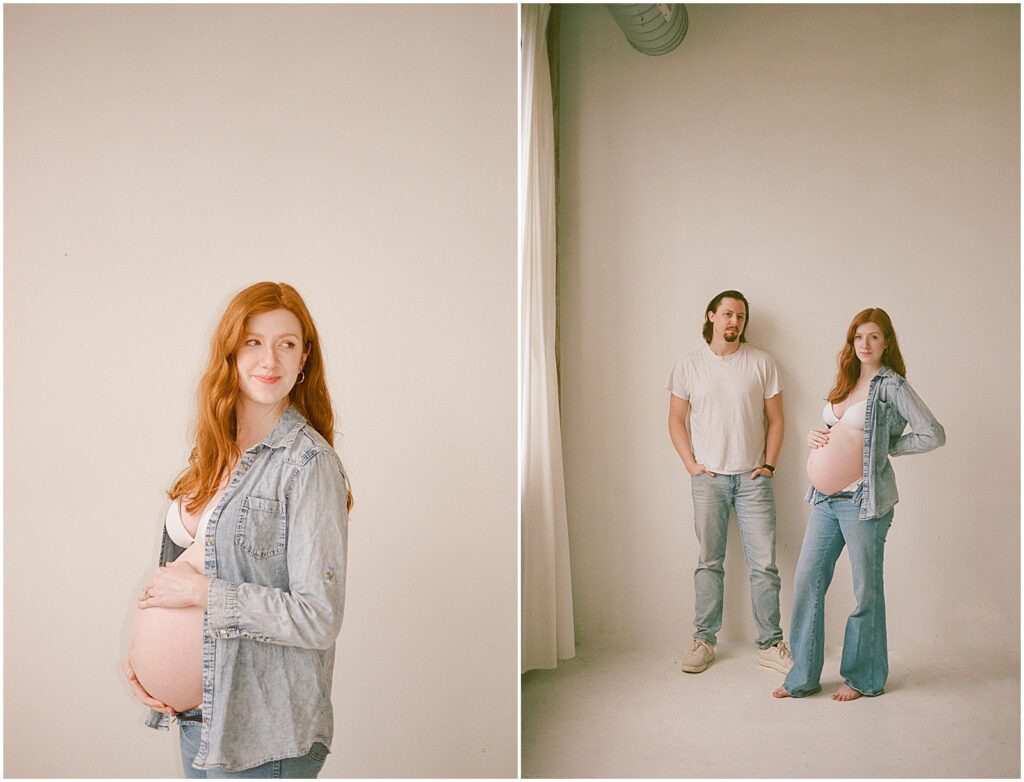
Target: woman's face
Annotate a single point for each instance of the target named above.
(270, 357)
(869, 342)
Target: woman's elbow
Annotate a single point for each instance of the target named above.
(326, 637)
(322, 632)
(319, 622)
(327, 626)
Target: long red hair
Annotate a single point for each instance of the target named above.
(849, 364)
(215, 450)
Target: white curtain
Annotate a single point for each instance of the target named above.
(547, 627)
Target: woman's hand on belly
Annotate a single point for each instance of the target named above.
(839, 462)
(817, 438)
(176, 585)
(141, 693)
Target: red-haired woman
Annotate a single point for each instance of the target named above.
(235, 632)
(853, 491)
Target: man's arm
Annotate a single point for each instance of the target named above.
(678, 410)
(773, 438)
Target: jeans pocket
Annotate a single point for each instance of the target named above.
(318, 752)
(262, 527)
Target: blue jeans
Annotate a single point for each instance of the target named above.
(834, 523)
(302, 767)
(754, 502)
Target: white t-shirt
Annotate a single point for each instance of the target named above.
(726, 393)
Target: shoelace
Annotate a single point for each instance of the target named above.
(784, 652)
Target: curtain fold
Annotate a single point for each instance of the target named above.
(547, 623)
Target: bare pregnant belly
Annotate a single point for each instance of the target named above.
(840, 462)
(165, 648)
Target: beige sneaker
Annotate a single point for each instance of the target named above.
(699, 657)
(778, 657)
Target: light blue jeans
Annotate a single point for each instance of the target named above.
(834, 523)
(754, 502)
(302, 767)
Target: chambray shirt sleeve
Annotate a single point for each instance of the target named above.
(307, 614)
(926, 433)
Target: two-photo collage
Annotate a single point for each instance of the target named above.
(506, 391)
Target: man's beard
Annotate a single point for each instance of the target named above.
(731, 336)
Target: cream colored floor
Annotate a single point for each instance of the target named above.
(614, 712)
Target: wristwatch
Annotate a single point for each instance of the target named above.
(770, 468)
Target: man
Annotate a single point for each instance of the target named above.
(726, 391)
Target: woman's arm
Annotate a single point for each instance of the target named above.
(309, 612)
(926, 433)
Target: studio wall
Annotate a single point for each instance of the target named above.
(821, 159)
(159, 158)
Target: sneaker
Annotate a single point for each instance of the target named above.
(699, 657)
(778, 657)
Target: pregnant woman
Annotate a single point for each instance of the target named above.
(853, 491)
(234, 633)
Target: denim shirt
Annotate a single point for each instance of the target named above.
(275, 553)
(891, 405)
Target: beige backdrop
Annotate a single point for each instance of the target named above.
(157, 160)
(821, 159)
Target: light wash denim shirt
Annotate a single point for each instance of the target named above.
(891, 405)
(275, 553)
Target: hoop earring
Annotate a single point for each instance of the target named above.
(302, 376)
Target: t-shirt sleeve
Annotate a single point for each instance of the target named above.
(677, 382)
(772, 380)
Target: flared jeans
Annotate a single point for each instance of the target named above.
(753, 499)
(834, 523)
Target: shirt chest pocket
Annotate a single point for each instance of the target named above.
(261, 528)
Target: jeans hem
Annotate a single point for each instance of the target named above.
(865, 694)
(770, 644)
(803, 694)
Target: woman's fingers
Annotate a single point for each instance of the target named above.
(155, 589)
(177, 586)
(142, 695)
(816, 438)
(147, 591)
(149, 700)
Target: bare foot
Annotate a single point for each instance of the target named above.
(780, 692)
(845, 693)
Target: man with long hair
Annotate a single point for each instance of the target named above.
(721, 396)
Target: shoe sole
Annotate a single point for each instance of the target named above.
(700, 669)
(773, 665)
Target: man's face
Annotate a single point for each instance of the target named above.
(729, 320)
